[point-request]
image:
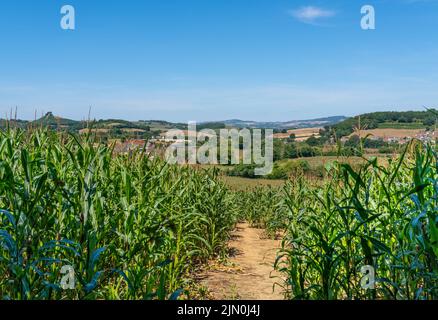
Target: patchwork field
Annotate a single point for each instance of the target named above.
(388, 133)
(315, 162)
(300, 134)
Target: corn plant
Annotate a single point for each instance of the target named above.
(379, 216)
(130, 226)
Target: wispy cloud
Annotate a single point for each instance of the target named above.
(311, 14)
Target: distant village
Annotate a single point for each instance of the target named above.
(399, 136)
(148, 146)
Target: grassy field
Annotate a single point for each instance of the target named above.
(130, 227)
(242, 184)
(381, 217)
(398, 125)
(316, 167)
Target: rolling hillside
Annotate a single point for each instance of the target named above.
(407, 120)
(293, 124)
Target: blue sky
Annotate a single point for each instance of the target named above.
(201, 60)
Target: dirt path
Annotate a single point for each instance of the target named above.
(247, 275)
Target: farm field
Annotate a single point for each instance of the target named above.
(134, 227)
(242, 184)
(105, 130)
(318, 161)
(128, 226)
(174, 155)
(398, 125)
(387, 133)
(300, 134)
(315, 168)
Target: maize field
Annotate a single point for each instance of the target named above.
(384, 217)
(133, 227)
(129, 226)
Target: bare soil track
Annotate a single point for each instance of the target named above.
(249, 274)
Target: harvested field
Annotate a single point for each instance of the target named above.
(300, 134)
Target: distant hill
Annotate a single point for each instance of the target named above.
(385, 120)
(53, 121)
(293, 124)
(115, 127)
(49, 120)
(341, 125)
